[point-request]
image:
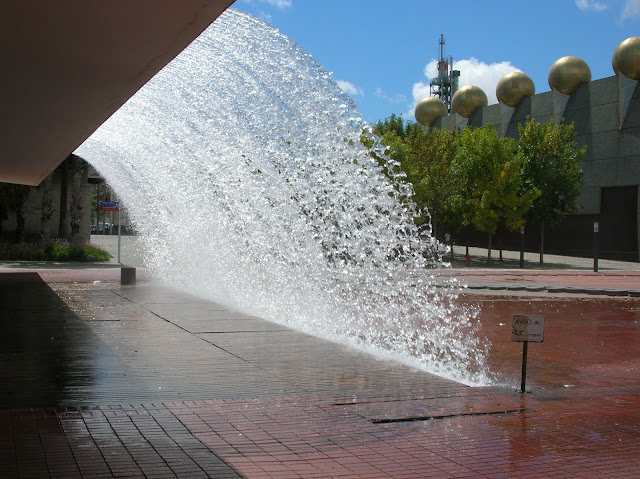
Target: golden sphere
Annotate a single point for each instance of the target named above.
(468, 99)
(429, 109)
(626, 58)
(514, 87)
(568, 73)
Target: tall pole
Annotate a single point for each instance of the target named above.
(119, 233)
(522, 247)
(523, 382)
(596, 245)
(98, 209)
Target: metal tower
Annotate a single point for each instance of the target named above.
(446, 83)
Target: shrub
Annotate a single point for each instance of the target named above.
(56, 250)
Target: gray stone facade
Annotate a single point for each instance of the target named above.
(611, 166)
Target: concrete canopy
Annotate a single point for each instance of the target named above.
(69, 65)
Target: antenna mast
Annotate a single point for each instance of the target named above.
(445, 84)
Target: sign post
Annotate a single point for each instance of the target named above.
(596, 245)
(525, 329)
(119, 237)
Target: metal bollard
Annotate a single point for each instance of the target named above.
(127, 275)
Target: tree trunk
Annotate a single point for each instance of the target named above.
(489, 249)
(451, 246)
(98, 211)
(75, 208)
(20, 223)
(62, 224)
(541, 242)
(466, 252)
(434, 224)
(47, 208)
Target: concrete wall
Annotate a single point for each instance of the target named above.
(612, 161)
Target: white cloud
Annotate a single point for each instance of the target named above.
(475, 72)
(349, 88)
(278, 3)
(420, 90)
(274, 3)
(590, 5)
(397, 98)
(472, 72)
(631, 10)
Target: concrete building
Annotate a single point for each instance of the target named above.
(606, 115)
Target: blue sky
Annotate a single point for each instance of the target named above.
(383, 53)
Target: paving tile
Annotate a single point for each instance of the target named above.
(100, 380)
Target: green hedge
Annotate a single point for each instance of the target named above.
(57, 250)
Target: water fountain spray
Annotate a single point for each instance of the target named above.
(242, 166)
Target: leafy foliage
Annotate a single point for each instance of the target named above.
(473, 178)
(487, 170)
(58, 250)
(550, 163)
(425, 157)
(429, 170)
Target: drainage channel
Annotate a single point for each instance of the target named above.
(445, 416)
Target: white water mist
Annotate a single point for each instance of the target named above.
(242, 168)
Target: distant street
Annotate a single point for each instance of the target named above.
(131, 253)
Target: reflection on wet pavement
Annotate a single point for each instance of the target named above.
(100, 380)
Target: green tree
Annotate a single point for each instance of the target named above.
(491, 196)
(428, 169)
(396, 148)
(425, 157)
(393, 124)
(392, 133)
(550, 159)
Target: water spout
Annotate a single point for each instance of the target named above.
(242, 167)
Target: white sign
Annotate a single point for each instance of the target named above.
(527, 328)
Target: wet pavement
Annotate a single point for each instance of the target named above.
(104, 380)
(555, 282)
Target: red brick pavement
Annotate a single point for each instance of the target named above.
(318, 437)
(607, 280)
(366, 418)
(612, 280)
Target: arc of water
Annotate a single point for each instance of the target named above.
(242, 165)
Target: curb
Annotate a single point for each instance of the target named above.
(555, 289)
